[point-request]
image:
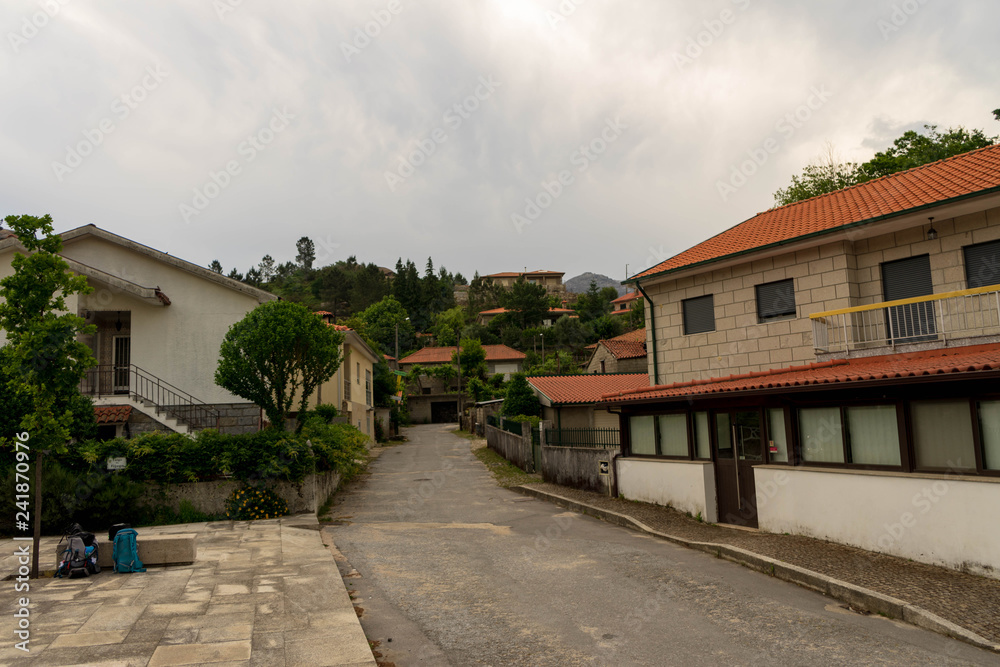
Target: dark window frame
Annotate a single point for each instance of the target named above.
(775, 316)
(684, 313)
(968, 266)
(848, 464)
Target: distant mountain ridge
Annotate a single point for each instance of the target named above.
(581, 283)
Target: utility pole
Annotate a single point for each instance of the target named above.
(458, 351)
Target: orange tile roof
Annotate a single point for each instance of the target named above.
(515, 274)
(339, 327)
(625, 298)
(442, 355)
(112, 414)
(637, 335)
(966, 360)
(625, 349)
(564, 389)
(970, 173)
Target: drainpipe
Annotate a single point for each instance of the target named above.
(652, 328)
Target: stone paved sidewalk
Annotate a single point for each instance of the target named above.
(969, 601)
(259, 593)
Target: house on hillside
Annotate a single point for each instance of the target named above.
(621, 354)
(571, 401)
(160, 323)
(830, 368)
(623, 304)
(550, 280)
(350, 388)
(435, 401)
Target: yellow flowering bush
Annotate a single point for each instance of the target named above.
(248, 503)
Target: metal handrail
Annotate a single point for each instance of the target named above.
(938, 317)
(141, 385)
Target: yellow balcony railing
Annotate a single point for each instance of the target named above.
(938, 317)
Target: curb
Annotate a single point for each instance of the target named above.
(860, 598)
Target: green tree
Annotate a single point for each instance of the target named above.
(520, 399)
(910, 150)
(913, 149)
(996, 114)
(608, 326)
(447, 325)
(379, 322)
(43, 360)
(306, 253)
(528, 303)
(215, 266)
(278, 350)
(595, 302)
(473, 359)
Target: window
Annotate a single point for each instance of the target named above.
(822, 435)
(942, 435)
(699, 314)
(982, 264)
(778, 439)
(989, 429)
(906, 279)
(642, 435)
(673, 435)
(702, 435)
(357, 374)
(776, 300)
(873, 435)
(368, 387)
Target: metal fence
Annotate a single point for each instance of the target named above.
(964, 314)
(604, 438)
(505, 424)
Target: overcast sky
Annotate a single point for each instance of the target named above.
(238, 126)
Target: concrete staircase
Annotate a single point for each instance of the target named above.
(147, 408)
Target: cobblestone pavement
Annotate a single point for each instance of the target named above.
(970, 601)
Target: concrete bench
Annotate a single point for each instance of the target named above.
(173, 549)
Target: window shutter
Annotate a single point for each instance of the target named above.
(907, 278)
(699, 314)
(776, 299)
(982, 264)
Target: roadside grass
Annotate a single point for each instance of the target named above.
(505, 473)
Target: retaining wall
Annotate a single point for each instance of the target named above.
(210, 497)
(515, 448)
(577, 467)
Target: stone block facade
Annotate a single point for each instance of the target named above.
(840, 274)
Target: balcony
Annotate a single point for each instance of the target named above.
(934, 321)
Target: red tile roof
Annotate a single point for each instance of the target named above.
(966, 360)
(338, 327)
(564, 389)
(638, 334)
(442, 355)
(966, 174)
(625, 298)
(625, 349)
(112, 414)
(515, 274)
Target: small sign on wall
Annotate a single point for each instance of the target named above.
(604, 467)
(117, 463)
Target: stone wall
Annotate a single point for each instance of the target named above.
(210, 497)
(577, 467)
(515, 448)
(236, 418)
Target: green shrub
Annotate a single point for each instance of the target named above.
(337, 447)
(248, 503)
(326, 412)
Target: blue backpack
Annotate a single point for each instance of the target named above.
(125, 553)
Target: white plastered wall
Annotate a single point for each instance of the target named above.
(688, 486)
(938, 519)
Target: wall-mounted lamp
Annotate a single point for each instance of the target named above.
(118, 322)
(931, 233)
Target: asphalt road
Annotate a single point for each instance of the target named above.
(451, 569)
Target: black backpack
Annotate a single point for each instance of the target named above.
(79, 558)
